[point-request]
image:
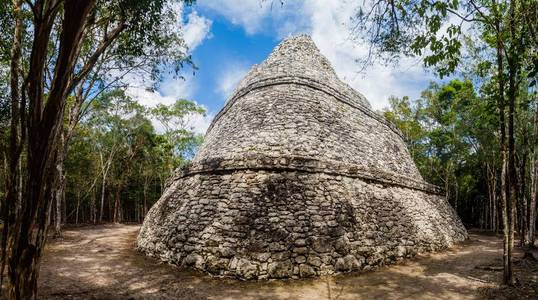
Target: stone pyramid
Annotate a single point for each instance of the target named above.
(297, 177)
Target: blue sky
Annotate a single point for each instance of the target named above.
(223, 58)
(227, 37)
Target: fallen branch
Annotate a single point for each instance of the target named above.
(489, 268)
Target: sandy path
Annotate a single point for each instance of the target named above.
(100, 263)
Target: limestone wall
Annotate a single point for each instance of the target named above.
(288, 119)
(277, 224)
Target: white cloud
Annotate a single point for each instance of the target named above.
(179, 87)
(230, 77)
(330, 29)
(198, 123)
(169, 90)
(247, 13)
(258, 15)
(148, 97)
(196, 30)
(328, 22)
(331, 32)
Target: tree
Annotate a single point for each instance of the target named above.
(56, 66)
(424, 28)
(181, 140)
(125, 160)
(162, 45)
(449, 132)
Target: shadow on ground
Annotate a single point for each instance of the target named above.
(100, 262)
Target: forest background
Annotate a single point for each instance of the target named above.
(76, 148)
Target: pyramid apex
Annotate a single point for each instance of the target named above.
(298, 57)
(299, 48)
(298, 38)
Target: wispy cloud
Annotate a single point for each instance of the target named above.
(196, 30)
(246, 13)
(328, 22)
(257, 16)
(230, 77)
(149, 98)
(330, 29)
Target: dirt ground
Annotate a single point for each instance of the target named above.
(99, 262)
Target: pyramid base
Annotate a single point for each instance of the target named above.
(256, 224)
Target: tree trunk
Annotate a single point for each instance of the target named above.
(59, 189)
(93, 213)
(27, 234)
(145, 204)
(495, 210)
(522, 197)
(117, 204)
(103, 184)
(505, 185)
(511, 178)
(531, 232)
(507, 249)
(77, 207)
(491, 179)
(13, 175)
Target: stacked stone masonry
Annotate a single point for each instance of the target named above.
(297, 177)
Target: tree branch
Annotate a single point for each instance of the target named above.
(95, 56)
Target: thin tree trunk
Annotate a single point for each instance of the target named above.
(105, 167)
(523, 203)
(117, 204)
(93, 214)
(505, 186)
(492, 195)
(145, 204)
(103, 186)
(77, 208)
(59, 189)
(494, 217)
(531, 232)
(64, 206)
(511, 178)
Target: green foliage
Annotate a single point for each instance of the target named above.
(151, 39)
(119, 131)
(413, 28)
(434, 30)
(450, 132)
(179, 140)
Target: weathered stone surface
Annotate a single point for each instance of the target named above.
(280, 269)
(306, 271)
(297, 177)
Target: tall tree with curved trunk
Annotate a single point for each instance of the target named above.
(39, 94)
(27, 228)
